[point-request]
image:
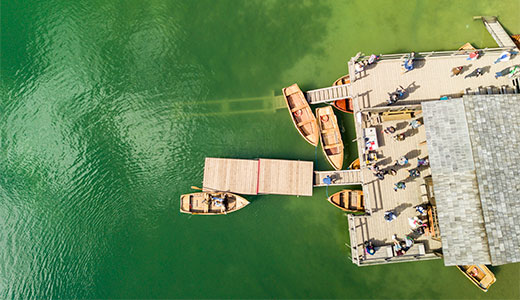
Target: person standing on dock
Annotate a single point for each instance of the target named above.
(456, 71)
(389, 216)
(475, 73)
(399, 186)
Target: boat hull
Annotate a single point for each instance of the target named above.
(301, 114)
(330, 136)
(355, 165)
(480, 275)
(348, 200)
(214, 203)
(344, 105)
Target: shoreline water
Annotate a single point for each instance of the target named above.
(97, 144)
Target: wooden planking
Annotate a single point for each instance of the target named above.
(285, 177)
(342, 177)
(328, 94)
(264, 176)
(429, 81)
(380, 196)
(231, 175)
(498, 33)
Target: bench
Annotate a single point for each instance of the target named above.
(382, 252)
(304, 122)
(416, 250)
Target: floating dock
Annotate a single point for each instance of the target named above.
(259, 176)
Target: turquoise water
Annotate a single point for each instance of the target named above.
(108, 109)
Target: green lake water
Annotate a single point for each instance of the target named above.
(108, 109)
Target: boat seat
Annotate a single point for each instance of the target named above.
(359, 201)
(325, 131)
(333, 146)
(305, 122)
(297, 108)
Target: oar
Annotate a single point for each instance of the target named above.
(198, 188)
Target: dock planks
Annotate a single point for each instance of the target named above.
(341, 177)
(328, 94)
(262, 176)
(430, 80)
(231, 175)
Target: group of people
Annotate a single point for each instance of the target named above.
(380, 174)
(360, 66)
(418, 225)
(511, 72)
(400, 247)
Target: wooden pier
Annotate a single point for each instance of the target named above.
(261, 176)
(328, 94)
(497, 32)
(430, 79)
(341, 177)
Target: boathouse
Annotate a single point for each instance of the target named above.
(473, 144)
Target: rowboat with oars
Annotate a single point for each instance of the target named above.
(330, 136)
(480, 275)
(301, 114)
(348, 200)
(211, 203)
(344, 105)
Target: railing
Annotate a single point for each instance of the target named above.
(435, 54)
(353, 239)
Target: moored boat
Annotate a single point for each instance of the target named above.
(355, 165)
(467, 46)
(301, 114)
(330, 136)
(214, 203)
(480, 275)
(344, 105)
(348, 200)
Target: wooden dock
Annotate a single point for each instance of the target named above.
(430, 80)
(328, 94)
(381, 197)
(342, 177)
(261, 176)
(497, 32)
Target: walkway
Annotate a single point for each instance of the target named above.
(328, 94)
(498, 32)
(381, 197)
(342, 177)
(430, 80)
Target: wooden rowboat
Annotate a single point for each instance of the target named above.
(480, 275)
(355, 165)
(344, 105)
(516, 39)
(214, 203)
(330, 136)
(301, 114)
(348, 200)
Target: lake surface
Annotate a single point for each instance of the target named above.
(108, 109)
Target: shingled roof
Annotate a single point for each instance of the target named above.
(474, 148)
